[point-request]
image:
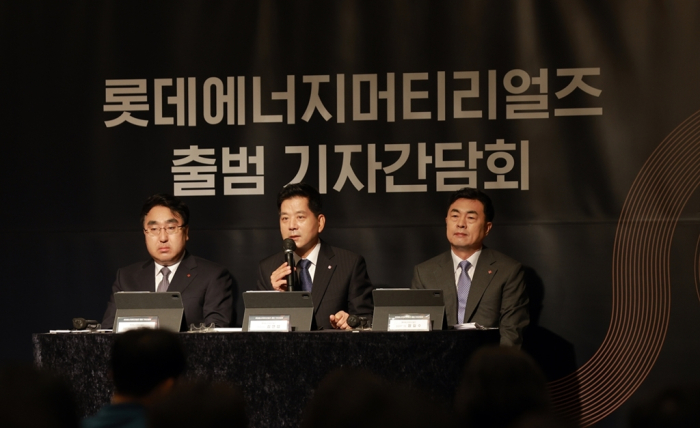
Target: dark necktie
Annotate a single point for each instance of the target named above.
(463, 286)
(164, 283)
(304, 275)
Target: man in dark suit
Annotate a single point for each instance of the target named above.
(337, 278)
(205, 286)
(479, 284)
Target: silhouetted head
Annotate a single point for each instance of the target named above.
(500, 385)
(142, 359)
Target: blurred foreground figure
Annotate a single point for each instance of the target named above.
(34, 398)
(351, 398)
(500, 386)
(200, 405)
(673, 408)
(144, 366)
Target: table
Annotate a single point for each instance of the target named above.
(269, 367)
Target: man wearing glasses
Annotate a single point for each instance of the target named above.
(205, 286)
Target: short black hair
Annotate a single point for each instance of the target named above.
(174, 203)
(302, 190)
(144, 358)
(476, 194)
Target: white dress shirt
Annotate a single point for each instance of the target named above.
(159, 275)
(312, 257)
(473, 259)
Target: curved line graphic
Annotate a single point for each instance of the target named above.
(696, 267)
(641, 283)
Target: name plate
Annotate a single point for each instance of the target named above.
(269, 323)
(132, 323)
(409, 322)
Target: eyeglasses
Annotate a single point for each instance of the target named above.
(170, 230)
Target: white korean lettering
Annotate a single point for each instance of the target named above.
(315, 102)
(473, 92)
(526, 106)
(237, 163)
(220, 101)
(410, 95)
(374, 95)
(126, 96)
(178, 100)
(288, 95)
(194, 180)
(578, 83)
(346, 171)
(303, 165)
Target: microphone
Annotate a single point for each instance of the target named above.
(353, 321)
(357, 322)
(288, 245)
(83, 324)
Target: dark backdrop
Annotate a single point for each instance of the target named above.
(603, 211)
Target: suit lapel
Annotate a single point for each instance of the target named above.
(483, 274)
(445, 279)
(325, 267)
(185, 274)
(145, 278)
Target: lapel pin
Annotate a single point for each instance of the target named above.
(188, 275)
(489, 273)
(330, 267)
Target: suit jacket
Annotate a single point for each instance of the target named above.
(340, 283)
(497, 297)
(205, 286)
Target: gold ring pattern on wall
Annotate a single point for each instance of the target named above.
(641, 281)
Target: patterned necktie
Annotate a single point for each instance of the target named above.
(304, 275)
(164, 283)
(463, 286)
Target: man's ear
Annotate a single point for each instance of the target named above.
(321, 222)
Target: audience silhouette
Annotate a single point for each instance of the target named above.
(144, 366)
(35, 398)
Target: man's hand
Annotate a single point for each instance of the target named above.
(278, 278)
(339, 321)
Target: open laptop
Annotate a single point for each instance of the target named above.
(297, 305)
(402, 301)
(143, 309)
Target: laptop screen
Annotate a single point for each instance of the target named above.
(139, 309)
(398, 301)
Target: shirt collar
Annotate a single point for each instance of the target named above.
(313, 255)
(473, 259)
(172, 267)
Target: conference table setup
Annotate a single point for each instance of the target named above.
(271, 367)
(276, 354)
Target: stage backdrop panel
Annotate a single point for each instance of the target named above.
(579, 118)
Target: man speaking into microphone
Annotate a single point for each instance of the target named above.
(336, 278)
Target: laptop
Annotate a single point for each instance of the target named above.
(297, 305)
(143, 309)
(404, 301)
